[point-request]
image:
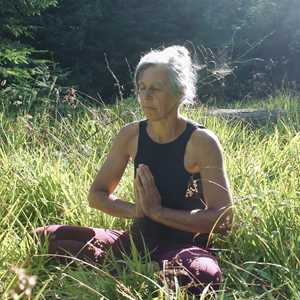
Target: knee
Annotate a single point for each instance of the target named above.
(45, 229)
(194, 274)
(205, 270)
(40, 234)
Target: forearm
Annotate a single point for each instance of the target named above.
(112, 205)
(196, 221)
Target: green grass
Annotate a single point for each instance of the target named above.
(48, 161)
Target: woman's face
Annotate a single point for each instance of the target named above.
(155, 94)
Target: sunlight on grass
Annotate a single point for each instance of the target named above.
(47, 165)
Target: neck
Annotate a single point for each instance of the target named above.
(166, 129)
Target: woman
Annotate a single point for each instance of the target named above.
(181, 187)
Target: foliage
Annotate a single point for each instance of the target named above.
(258, 40)
(245, 48)
(19, 61)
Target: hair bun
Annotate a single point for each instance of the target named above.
(179, 50)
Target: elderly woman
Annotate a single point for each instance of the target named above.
(181, 187)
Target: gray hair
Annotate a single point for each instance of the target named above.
(181, 73)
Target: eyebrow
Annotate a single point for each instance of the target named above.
(159, 82)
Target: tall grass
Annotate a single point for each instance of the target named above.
(48, 161)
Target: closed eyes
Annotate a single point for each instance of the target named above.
(152, 89)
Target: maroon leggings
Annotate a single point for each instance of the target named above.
(193, 266)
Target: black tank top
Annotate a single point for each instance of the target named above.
(178, 188)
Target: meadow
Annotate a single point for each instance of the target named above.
(49, 158)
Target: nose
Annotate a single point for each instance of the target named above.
(146, 92)
(146, 95)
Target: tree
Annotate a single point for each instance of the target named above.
(259, 39)
(17, 62)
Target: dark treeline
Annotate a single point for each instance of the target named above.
(245, 48)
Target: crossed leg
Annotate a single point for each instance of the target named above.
(193, 266)
(85, 243)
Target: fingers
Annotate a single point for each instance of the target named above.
(145, 176)
(139, 192)
(138, 185)
(146, 171)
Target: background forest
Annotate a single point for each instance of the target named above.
(66, 89)
(244, 48)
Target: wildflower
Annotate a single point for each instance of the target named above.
(25, 283)
(70, 97)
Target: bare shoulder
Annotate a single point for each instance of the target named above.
(128, 136)
(205, 138)
(206, 147)
(129, 131)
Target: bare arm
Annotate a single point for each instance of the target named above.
(218, 214)
(101, 192)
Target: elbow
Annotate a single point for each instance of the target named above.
(97, 198)
(94, 198)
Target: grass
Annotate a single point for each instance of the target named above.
(48, 160)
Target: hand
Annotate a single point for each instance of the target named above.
(147, 193)
(139, 213)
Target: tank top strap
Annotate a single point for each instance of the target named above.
(182, 139)
(142, 127)
(190, 128)
(143, 139)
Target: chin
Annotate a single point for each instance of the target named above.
(153, 118)
(153, 115)
(149, 115)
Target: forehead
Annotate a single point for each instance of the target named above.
(154, 74)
